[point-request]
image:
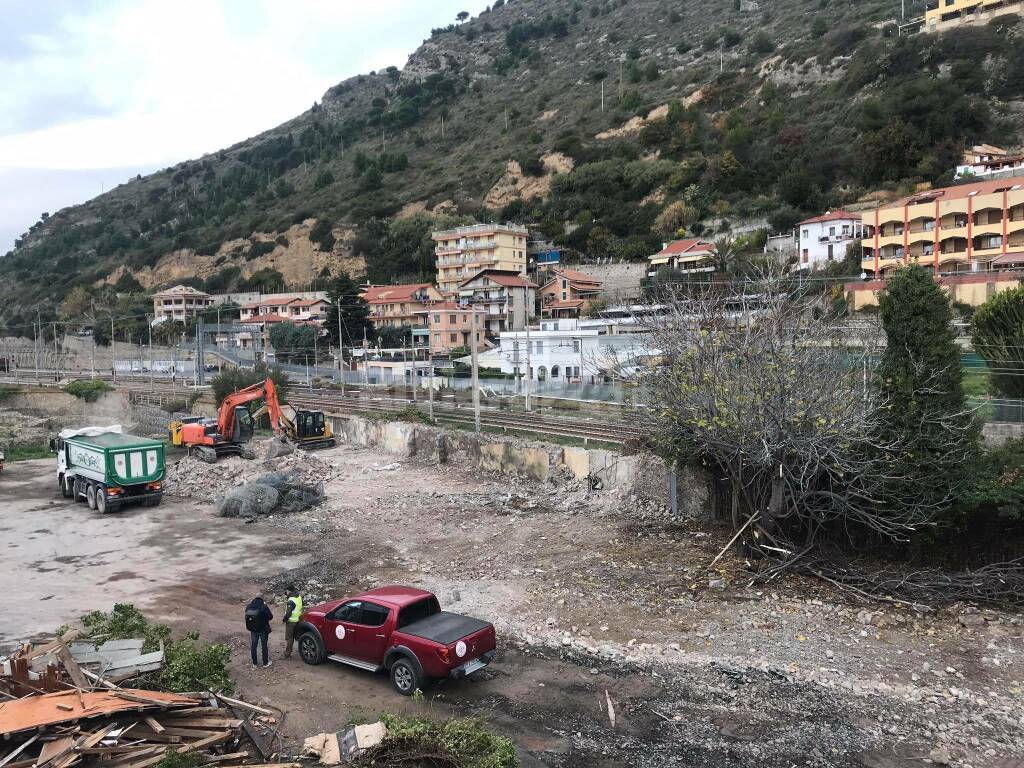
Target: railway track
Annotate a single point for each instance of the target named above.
(608, 431)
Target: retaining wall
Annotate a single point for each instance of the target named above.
(643, 476)
(994, 435)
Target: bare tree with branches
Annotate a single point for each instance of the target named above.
(773, 394)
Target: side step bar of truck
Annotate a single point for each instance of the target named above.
(369, 667)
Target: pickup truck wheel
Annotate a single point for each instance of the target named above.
(90, 496)
(404, 678)
(311, 649)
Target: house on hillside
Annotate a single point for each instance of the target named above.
(827, 238)
(400, 305)
(180, 303)
(451, 325)
(688, 255)
(983, 161)
(568, 293)
(507, 300)
(287, 307)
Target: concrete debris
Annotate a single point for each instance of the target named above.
(334, 748)
(274, 492)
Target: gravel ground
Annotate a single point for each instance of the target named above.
(792, 675)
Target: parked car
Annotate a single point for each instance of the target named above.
(399, 629)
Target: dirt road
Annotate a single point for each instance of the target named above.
(588, 595)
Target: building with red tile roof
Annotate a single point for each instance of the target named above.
(398, 306)
(568, 293)
(507, 299)
(686, 255)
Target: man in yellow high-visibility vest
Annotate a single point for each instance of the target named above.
(293, 611)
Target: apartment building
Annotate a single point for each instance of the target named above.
(568, 293)
(827, 238)
(465, 251)
(941, 15)
(968, 228)
(288, 308)
(451, 327)
(400, 305)
(181, 303)
(507, 300)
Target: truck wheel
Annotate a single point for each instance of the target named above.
(77, 490)
(311, 648)
(404, 678)
(90, 496)
(101, 501)
(66, 487)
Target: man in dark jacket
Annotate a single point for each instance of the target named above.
(257, 621)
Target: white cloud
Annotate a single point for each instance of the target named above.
(147, 83)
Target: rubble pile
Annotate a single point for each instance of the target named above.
(62, 707)
(192, 478)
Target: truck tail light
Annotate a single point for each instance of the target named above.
(153, 486)
(442, 654)
(114, 491)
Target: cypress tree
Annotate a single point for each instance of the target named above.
(997, 331)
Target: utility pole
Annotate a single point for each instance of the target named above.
(113, 355)
(430, 373)
(366, 355)
(149, 320)
(220, 359)
(341, 351)
(316, 351)
(56, 354)
(35, 342)
(476, 374)
(415, 367)
(602, 95)
(526, 302)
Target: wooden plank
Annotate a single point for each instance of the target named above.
(55, 748)
(260, 743)
(203, 722)
(244, 705)
(71, 666)
(189, 733)
(18, 751)
(226, 758)
(137, 697)
(209, 741)
(153, 724)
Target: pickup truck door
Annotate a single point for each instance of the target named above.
(341, 629)
(373, 633)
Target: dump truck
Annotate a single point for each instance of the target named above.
(108, 469)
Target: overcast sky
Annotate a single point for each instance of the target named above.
(96, 91)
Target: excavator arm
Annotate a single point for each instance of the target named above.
(266, 391)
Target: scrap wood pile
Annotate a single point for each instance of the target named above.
(56, 713)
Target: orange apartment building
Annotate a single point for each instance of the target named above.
(400, 305)
(451, 327)
(466, 251)
(568, 293)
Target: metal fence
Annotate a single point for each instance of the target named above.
(998, 410)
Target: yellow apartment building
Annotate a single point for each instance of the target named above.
(944, 14)
(969, 228)
(465, 251)
(970, 236)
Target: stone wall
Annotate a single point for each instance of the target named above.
(994, 435)
(643, 476)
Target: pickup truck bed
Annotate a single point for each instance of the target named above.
(444, 627)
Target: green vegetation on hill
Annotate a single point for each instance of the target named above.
(772, 114)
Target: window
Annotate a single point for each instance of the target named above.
(451, 319)
(806, 256)
(453, 337)
(807, 233)
(830, 254)
(576, 345)
(928, 249)
(538, 347)
(437, 338)
(348, 612)
(374, 615)
(897, 228)
(437, 318)
(831, 231)
(418, 611)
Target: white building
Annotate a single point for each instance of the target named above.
(827, 238)
(983, 162)
(562, 350)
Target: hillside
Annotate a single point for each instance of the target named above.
(711, 111)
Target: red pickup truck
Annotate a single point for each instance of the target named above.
(400, 629)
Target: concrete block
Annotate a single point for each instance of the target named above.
(577, 461)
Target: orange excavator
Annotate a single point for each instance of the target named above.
(209, 439)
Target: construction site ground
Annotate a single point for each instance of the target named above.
(595, 599)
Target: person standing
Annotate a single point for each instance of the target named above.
(257, 621)
(293, 611)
